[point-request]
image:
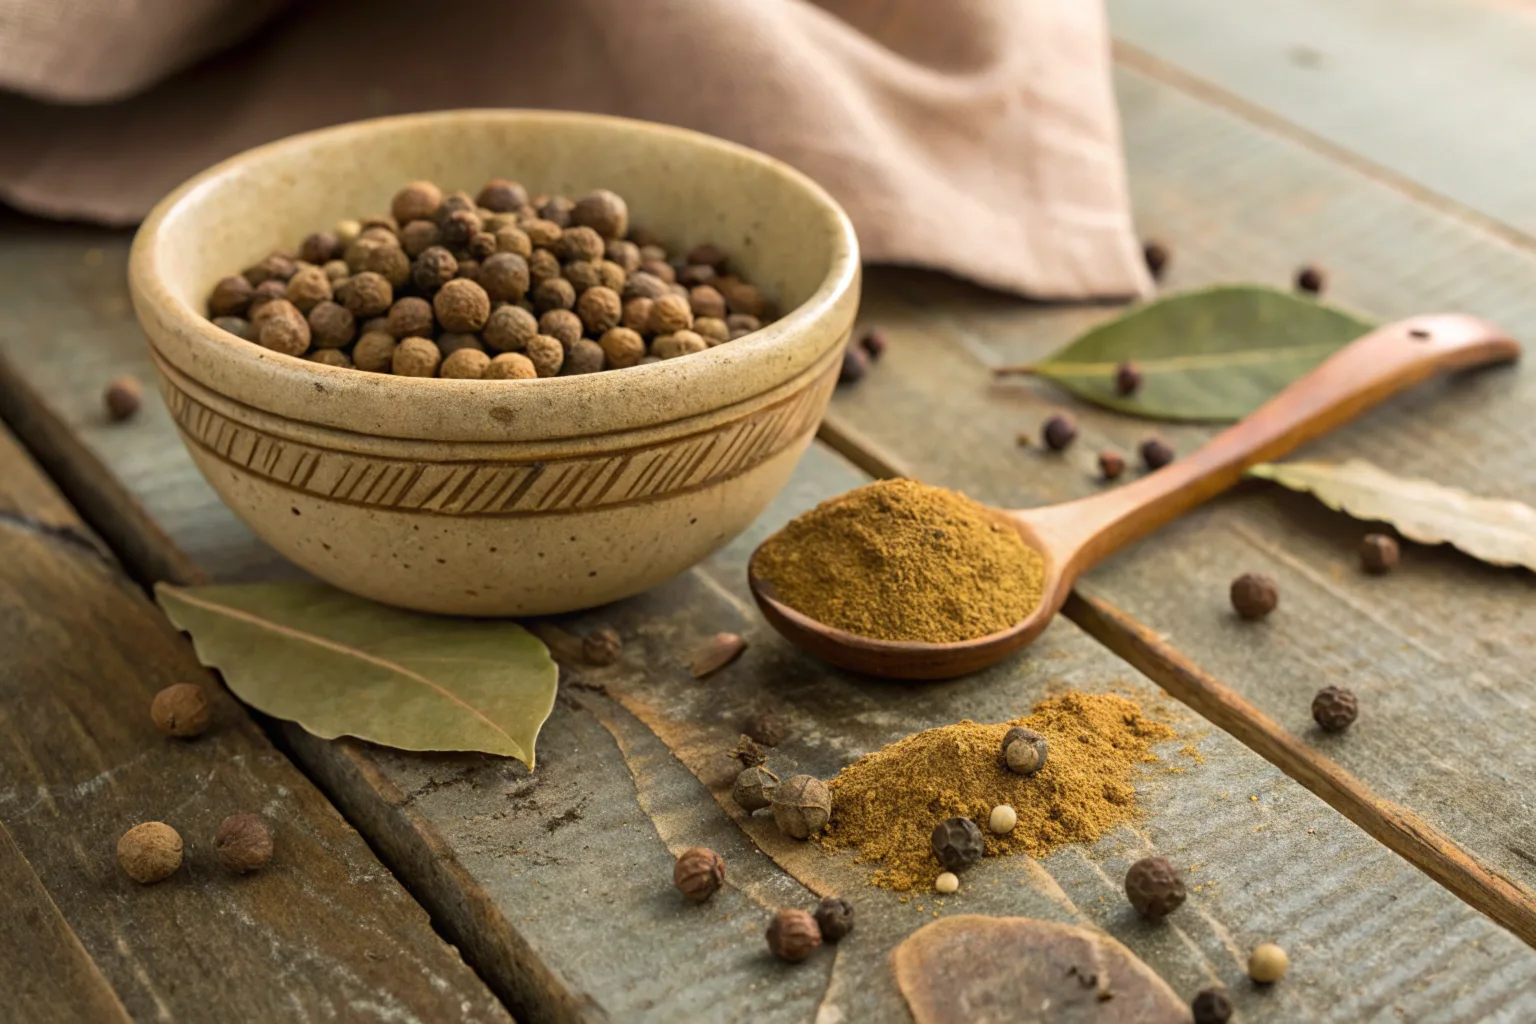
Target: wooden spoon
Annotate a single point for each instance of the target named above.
(1076, 535)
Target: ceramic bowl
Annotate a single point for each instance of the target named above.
(499, 497)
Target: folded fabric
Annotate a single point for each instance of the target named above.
(978, 137)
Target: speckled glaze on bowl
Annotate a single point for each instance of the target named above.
(504, 497)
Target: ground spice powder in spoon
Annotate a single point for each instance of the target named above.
(899, 560)
(885, 805)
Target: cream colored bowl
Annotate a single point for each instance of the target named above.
(499, 497)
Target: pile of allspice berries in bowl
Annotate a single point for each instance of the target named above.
(498, 286)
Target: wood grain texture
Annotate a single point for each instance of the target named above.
(45, 973)
(323, 930)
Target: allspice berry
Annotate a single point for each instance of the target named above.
(366, 294)
(417, 201)
(1211, 1006)
(434, 268)
(753, 788)
(562, 324)
(502, 196)
(622, 347)
(637, 312)
(682, 343)
(602, 646)
(308, 287)
(416, 357)
(1111, 464)
(553, 293)
(580, 243)
(231, 296)
(711, 329)
(320, 248)
(417, 237)
(332, 325)
(182, 710)
(411, 317)
(802, 806)
(1254, 595)
(462, 305)
(150, 852)
(669, 314)
(1311, 279)
(1154, 887)
(874, 342)
(766, 728)
(834, 917)
(1155, 453)
(1127, 378)
(1024, 751)
(1334, 708)
(604, 212)
(957, 843)
(122, 398)
(599, 309)
(585, 356)
(1058, 432)
(1157, 254)
(331, 357)
(243, 842)
(855, 366)
(1379, 553)
(510, 366)
(793, 935)
(375, 352)
(1268, 963)
(698, 873)
(464, 364)
(510, 328)
(546, 354)
(284, 329)
(705, 301)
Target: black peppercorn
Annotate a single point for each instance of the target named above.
(1378, 553)
(1154, 887)
(1111, 464)
(1058, 432)
(1311, 279)
(1155, 453)
(957, 843)
(698, 873)
(793, 935)
(1157, 254)
(855, 366)
(875, 343)
(1211, 1006)
(1334, 708)
(835, 918)
(766, 728)
(1023, 752)
(1127, 378)
(1254, 595)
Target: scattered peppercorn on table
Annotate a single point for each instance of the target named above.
(1398, 887)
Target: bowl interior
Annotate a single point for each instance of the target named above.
(787, 236)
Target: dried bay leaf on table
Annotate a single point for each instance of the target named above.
(1499, 532)
(1206, 356)
(342, 666)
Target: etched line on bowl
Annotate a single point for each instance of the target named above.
(504, 488)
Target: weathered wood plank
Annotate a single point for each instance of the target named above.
(1436, 651)
(1437, 92)
(324, 930)
(45, 973)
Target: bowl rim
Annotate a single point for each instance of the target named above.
(382, 404)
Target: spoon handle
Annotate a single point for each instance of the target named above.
(1366, 371)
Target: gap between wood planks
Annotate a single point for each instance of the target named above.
(1398, 828)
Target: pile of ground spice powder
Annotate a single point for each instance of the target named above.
(898, 560)
(885, 805)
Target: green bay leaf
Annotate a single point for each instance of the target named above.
(1496, 531)
(342, 666)
(1205, 356)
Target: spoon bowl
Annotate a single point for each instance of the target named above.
(1074, 536)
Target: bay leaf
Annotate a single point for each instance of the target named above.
(1496, 531)
(339, 665)
(1205, 356)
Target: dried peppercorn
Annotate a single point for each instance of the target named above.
(622, 347)
(698, 873)
(1379, 553)
(834, 917)
(375, 352)
(1334, 708)
(599, 309)
(331, 357)
(855, 366)
(1155, 453)
(265, 293)
(366, 294)
(1158, 255)
(468, 363)
(1211, 1006)
(670, 314)
(602, 646)
(504, 276)
(417, 201)
(434, 268)
(307, 288)
(1154, 887)
(149, 852)
(238, 326)
(515, 241)
(544, 234)
(542, 266)
(802, 805)
(320, 248)
(276, 267)
(753, 788)
(603, 211)
(510, 366)
(283, 328)
(181, 710)
(562, 324)
(231, 296)
(641, 285)
(694, 274)
(585, 356)
(580, 243)
(386, 259)
(509, 328)
(1311, 279)
(711, 329)
(332, 325)
(793, 935)
(546, 353)
(1127, 378)
(243, 842)
(461, 305)
(741, 297)
(556, 209)
(1059, 432)
(450, 343)
(1111, 464)
(554, 293)
(418, 236)
(873, 342)
(957, 843)
(706, 301)
(416, 357)
(502, 196)
(680, 343)
(1254, 595)
(459, 227)
(709, 254)
(637, 312)
(410, 317)
(766, 728)
(122, 397)
(582, 275)
(1024, 751)
(481, 246)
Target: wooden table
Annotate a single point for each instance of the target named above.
(1395, 863)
